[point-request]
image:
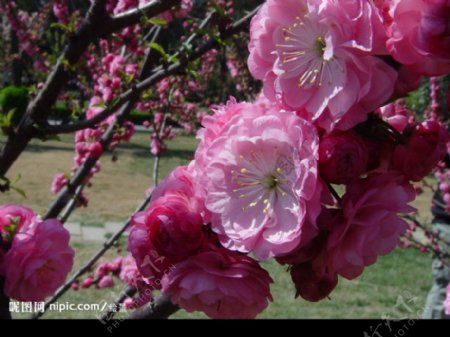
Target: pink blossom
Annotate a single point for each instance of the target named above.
(20, 217)
(156, 147)
(174, 226)
(368, 226)
(87, 282)
(318, 56)
(313, 284)
(59, 182)
(61, 11)
(423, 150)
(220, 283)
(342, 157)
(106, 282)
(171, 229)
(419, 36)
(261, 172)
(129, 273)
(96, 149)
(396, 114)
(38, 263)
(180, 180)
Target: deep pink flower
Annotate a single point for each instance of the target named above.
(59, 181)
(171, 229)
(423, 150)
(342, 157)
(156, 146)
(313, 284)
(261, 172)
(38, 263)
(318, 56)
(396, 114)
(175, 227)
(105, 282)
(419, 36)
(96, 149)
(87, 282)
(220, 283)
(368, 226)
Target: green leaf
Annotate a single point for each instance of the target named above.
(6, 120)
(159, 49)
(19, 190)
(61, 26)
(158, 22)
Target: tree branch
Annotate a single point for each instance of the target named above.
(161, 308)
(159, 73)
(97, 23)
(83, 171)
(133, 16)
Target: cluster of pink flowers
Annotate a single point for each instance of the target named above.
(22, 25)
(264, 174)
(35, 254)
(325, 59)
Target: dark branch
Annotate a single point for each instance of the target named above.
(161, 308)
(79, 177)
(133, 16)
(97, 23)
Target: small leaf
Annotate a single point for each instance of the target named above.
(158, 22)
(19, 190)
(159, 49)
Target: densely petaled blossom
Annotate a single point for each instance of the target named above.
(419, 35)
(423, 150)
(171, 229)
(342, 157)
(220, 283)
(368, 226)
(261, 178)
(37, 262)
(318, 56)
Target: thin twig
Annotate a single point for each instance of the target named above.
(161, 308)
(83, 171)
(97, 23)
(112, 311)
(71, 206)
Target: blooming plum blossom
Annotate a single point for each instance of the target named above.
(261, 171)
(342, 157)
(319, 57)
(368, 226)
(422, 151)
(220, 283)
(419, 35)
(38, 261)
(171, 229)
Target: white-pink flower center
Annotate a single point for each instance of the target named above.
(304, 50)
(259, 182)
